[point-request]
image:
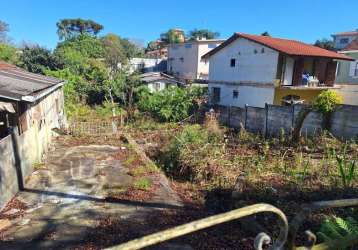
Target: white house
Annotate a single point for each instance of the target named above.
(158, 81)
(185, 62)
(347, 74)
(342, 39)
(146, 65)
(255, 70)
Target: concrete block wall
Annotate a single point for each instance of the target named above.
(344, 122)
(255, 120)
(272, 120)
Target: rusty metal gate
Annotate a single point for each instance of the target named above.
(286, 238)
(96, 126)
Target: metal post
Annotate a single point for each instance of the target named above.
(266, 119)
(245, 116)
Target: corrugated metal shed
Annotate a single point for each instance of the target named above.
(16, 83)
(159, 76)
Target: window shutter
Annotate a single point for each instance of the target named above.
(352, 68)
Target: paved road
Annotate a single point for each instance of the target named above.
(66, 198)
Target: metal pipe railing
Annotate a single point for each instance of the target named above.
(184, 229)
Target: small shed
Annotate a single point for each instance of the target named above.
(28, 99)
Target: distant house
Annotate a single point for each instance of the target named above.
(347, 74)
(185, 62)
(146, 65)
(157, 81)
(255, 70)
(31, 105)
(342, 39)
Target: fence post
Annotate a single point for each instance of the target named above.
(229, 116)
(266, 120)
(293, 118)
(245, 116)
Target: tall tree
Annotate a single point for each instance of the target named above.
(8, 53)
(325, 44)
(172, 36)
(37, 59)
(67, 28)
(4, 29)
(202, 33)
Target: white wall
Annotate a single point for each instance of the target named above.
(203, 65)
(290, 62)
(146, 64)
(250, 95)
(250, 67)
(349, 93)
(187, 66)
(190, 66)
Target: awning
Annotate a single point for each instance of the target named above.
(7, 107)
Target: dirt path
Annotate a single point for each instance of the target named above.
(66, 199)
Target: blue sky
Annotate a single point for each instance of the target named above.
(306, 20)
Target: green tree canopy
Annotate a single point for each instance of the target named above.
(4, 29)
(37, 59)
(202, 33)
(171, 36)
(67, 28)
(8, 53)
(325, 44)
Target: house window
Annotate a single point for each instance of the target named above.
(235, 94)
(232, 62)
(188, 45)
(343, 40)
(255, 51)
(212, 46)
(263, 50)
(356, 69)
(215, 95)
(182, 59)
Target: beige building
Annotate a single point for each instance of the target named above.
(184, 59)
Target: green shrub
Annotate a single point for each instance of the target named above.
(326, 101)
(194, 154)
(346, 167)
(172, 104)
(337, 228)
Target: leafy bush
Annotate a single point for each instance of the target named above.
(346, 167)
(194, 154)
(172, 104)
(326, 101)
(8, 53)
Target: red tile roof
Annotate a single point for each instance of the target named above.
(289, 47)
(4, 65)
(352, 46)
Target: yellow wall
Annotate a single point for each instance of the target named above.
(306, 94)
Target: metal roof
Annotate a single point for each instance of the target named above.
(158, 76)
(18, 84)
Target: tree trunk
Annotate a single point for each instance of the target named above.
(299, 123)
